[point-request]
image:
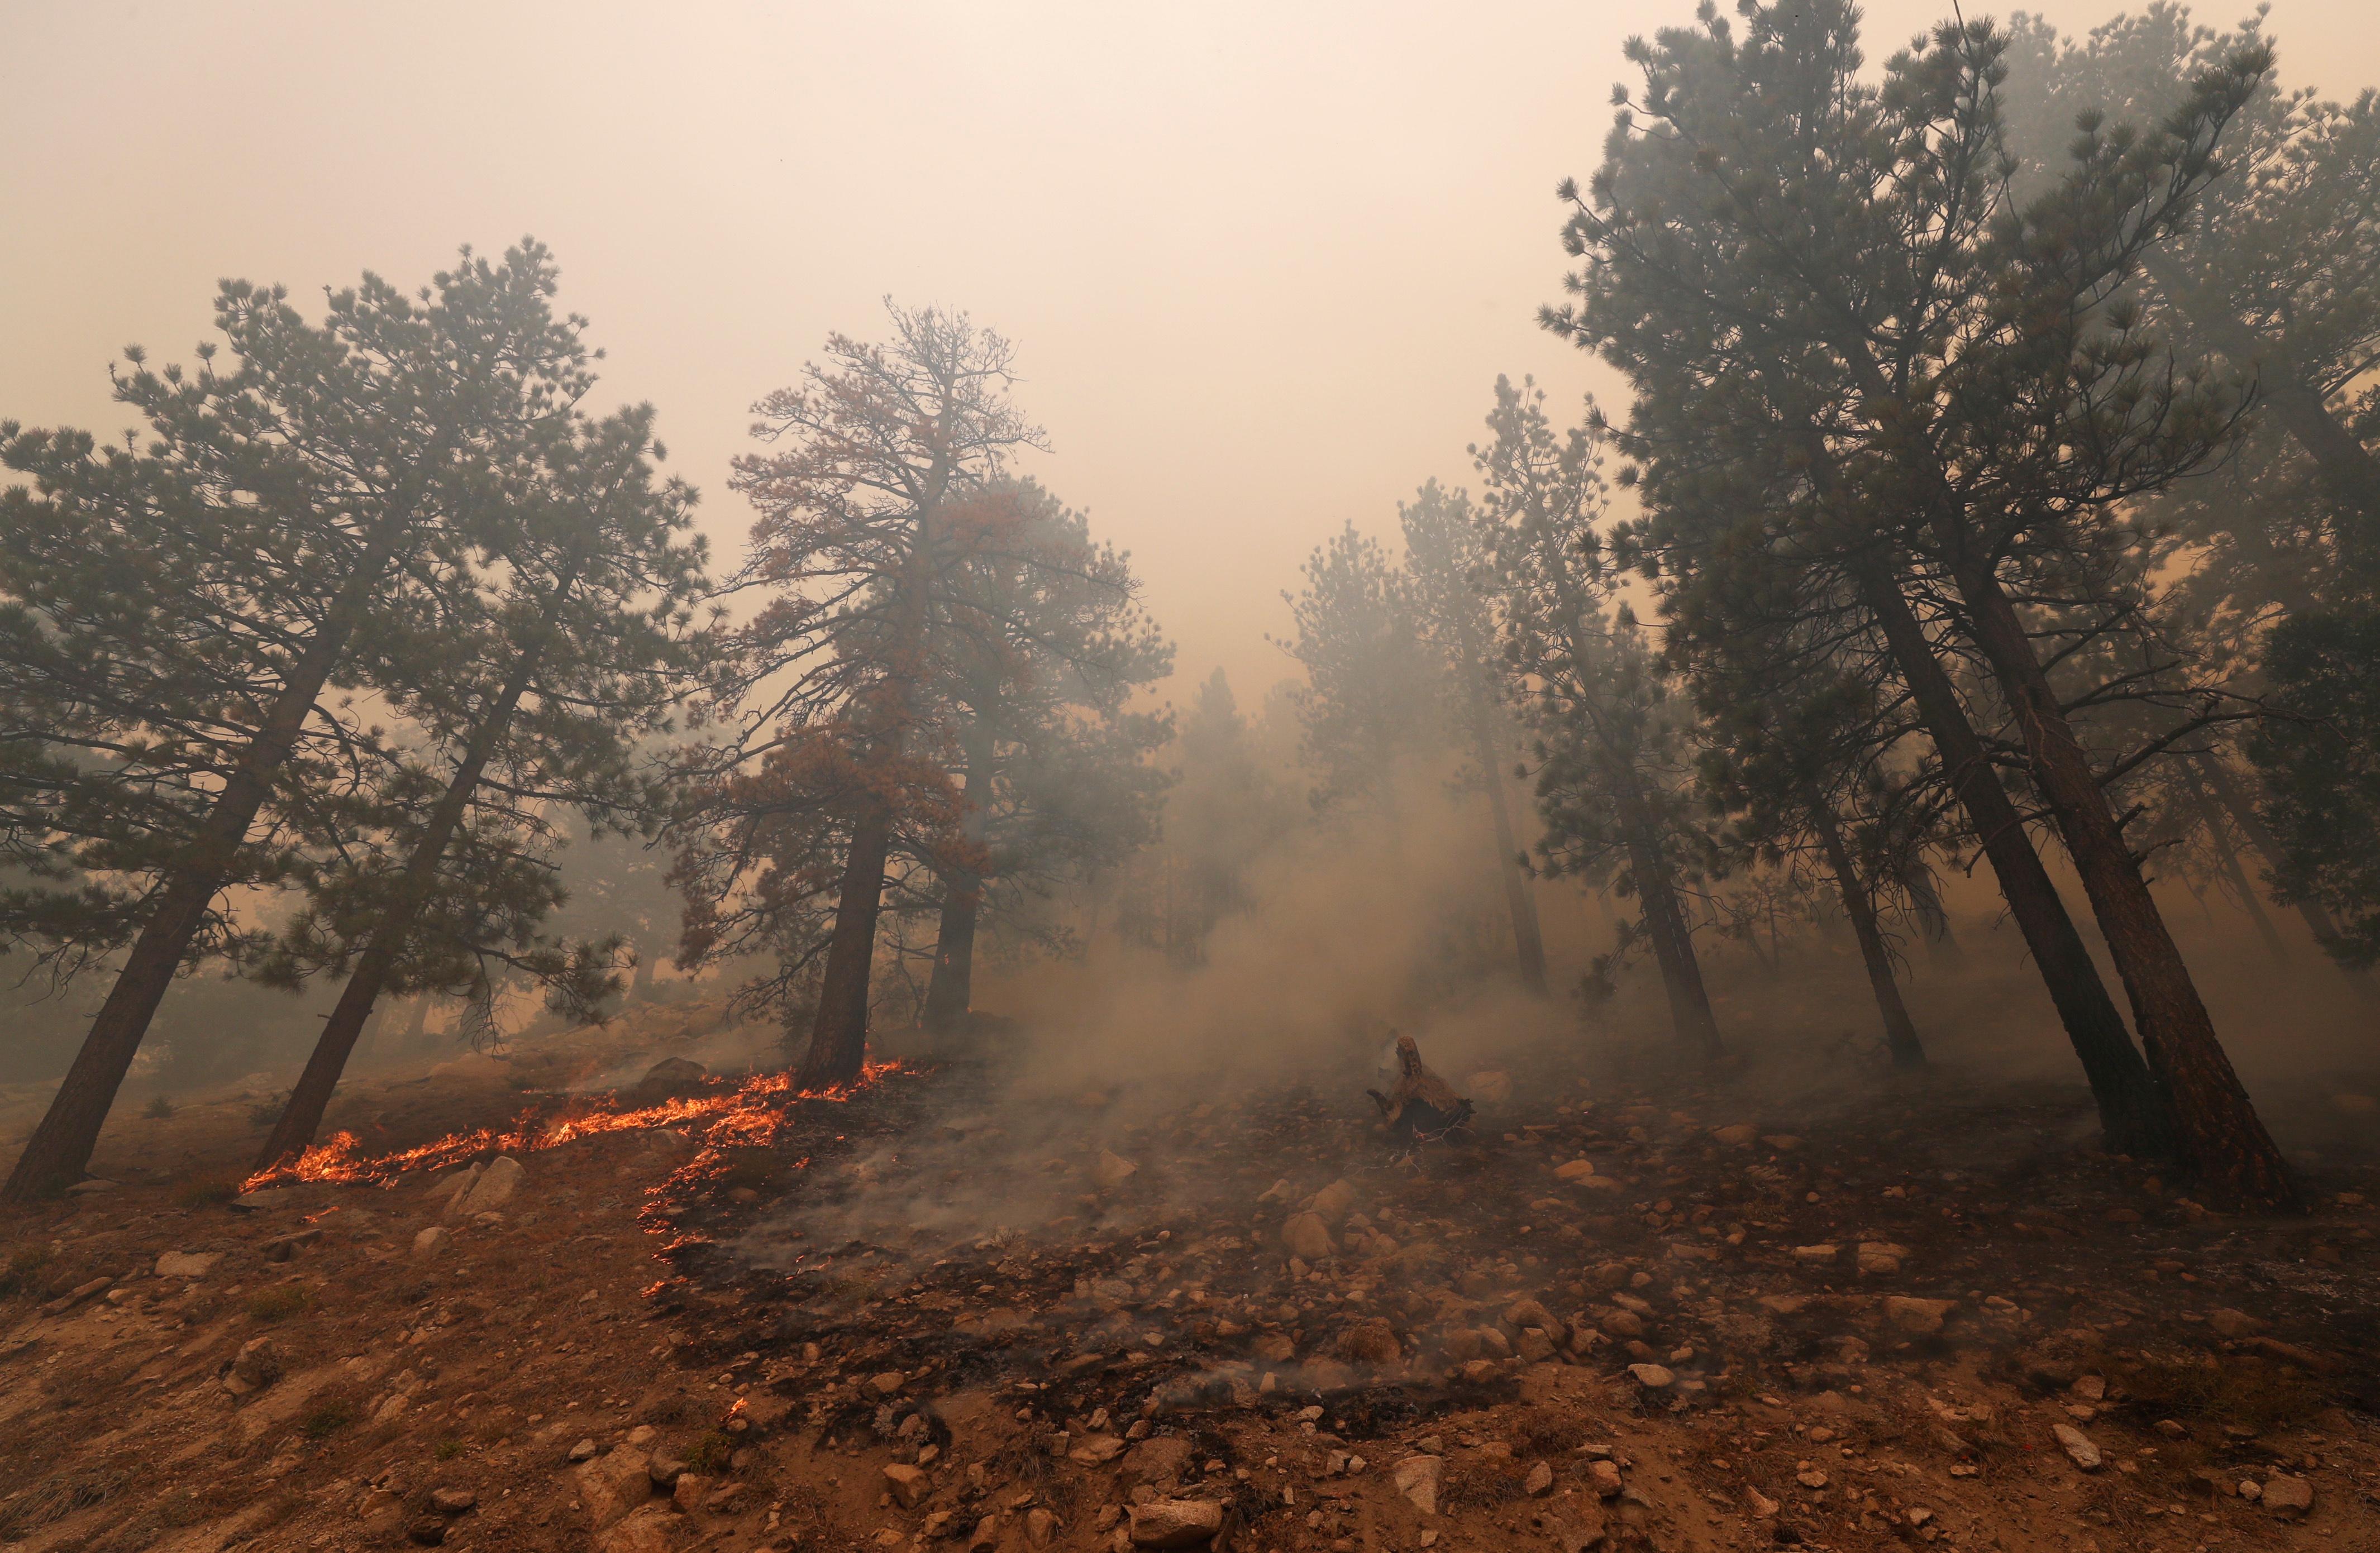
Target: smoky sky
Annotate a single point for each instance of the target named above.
(1261, 263)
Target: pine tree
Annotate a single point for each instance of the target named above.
(181, 623)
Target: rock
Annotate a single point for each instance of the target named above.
(453, 1501)
(257, 1365)
(2078, 1447)
(431, 1241)
(1039, 1527)
(492, 1190)
(1914, 1315)
(648, 1531)
(1535, 1345)
(1489, 1086)
(443, 1188)
(1306, 1236)
(1575, 1170)
(1112, 1170)
(1370, 1342)
(665, 1470)
(2232, 1323)
(1821, 1253)
(673, 1076)
(1334, 1202)
(583, 1451)
(1881, 1256)
(614, 1484)
(1156, 1459)
(1097, 1451)
(1653, 1377)
(1741, 1136)
(76, 1296)
(260, 1200)
(187, 1264)
(1763, 1507)
(885, 1384)
(1175, 1522)
(1417, 1479)
(691, 1492)
(2288, 1496)
(1605, 1477)
(907, 1483)
(986, 1535)
(1539, 1481)
(1524, 1313)
(92, 1188)
(1622, 1325)
(429, 1530)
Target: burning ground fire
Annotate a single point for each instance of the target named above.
(745, 1117)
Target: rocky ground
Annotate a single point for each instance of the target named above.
(938, 1313)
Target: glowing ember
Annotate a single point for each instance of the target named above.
(748, 1117)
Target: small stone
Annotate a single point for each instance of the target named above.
(1762, 1505)
(95, 1187)
(452, 1501)
(650, 1530)
(1575, 1170)
(432, 1241)
(1097, 1451)
(1653, 1377)
(2078, 1447)
(1821, 1253)
(1539, 1481)
(1740, 1135)
(257, 1365)
(690, 1491)
(429, 1530)
(908, 1485)
(2288, 1496)
(1039, 1526)
(583, 1451)
(1112, 1170)
(664, 1470)
(1417, 1479)
(1605, 1477)
(885, 1384)
(492, 1190)
(1175, 1522)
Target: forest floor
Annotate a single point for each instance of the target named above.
(1678, 1315)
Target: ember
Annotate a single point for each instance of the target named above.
(748, 1116)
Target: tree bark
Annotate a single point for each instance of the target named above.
(2221, 1136)
(1528, 939)
(950, 993)
(1899, 1030)
(2132, 1111)
(1666, 924)
(301, 1119)
(838, 1048)
(61, 1146)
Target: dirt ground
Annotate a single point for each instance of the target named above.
(1676, 1315)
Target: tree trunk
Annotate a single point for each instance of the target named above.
(2297, 405)
(839, 1035)
(1528, 941)
(301, 1119)
(61, 1146)
(1664, 923)
(1899, 1030)
(2133, 1112)
(951, 991)
(2227, 857)
(2221, 1136)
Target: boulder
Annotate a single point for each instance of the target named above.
(908, 1485)
(257, 1365)
(1306, 1235)
(1653, 1377)
(615, 1484)
(187, 1264)
(1334, 1203)
(432, 1241)
(1175, 1522)
(1417, 1479)
(1157, 1458)
(1914, 1315)
(2078, 1447)
(650, 1530)
(492, 1190)
(2287, 1496)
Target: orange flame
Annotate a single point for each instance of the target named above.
(746, 1117)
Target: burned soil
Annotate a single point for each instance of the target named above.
(943, 1311)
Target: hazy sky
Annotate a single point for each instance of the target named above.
(1262, 262)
